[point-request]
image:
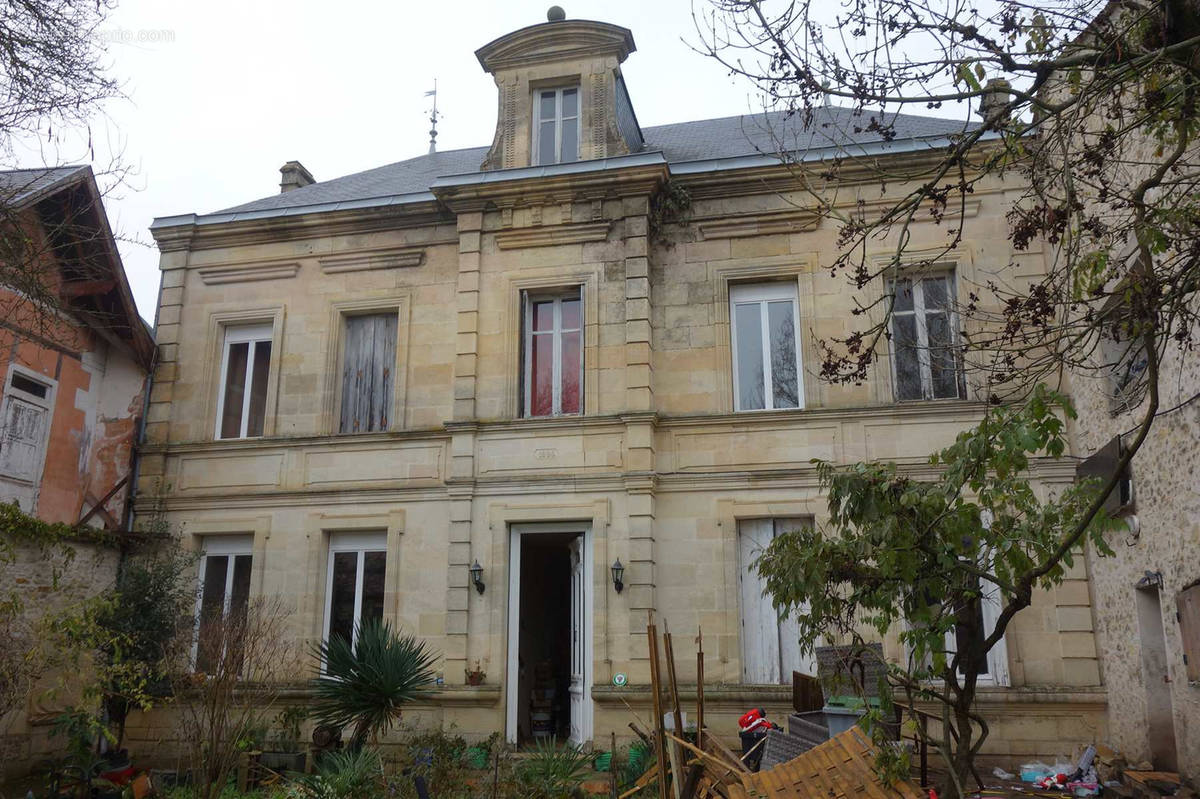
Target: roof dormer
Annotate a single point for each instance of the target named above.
(562, 97)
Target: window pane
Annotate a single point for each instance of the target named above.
(541, 371)
(943, 359)
(570, 102)
(904, 298)
(341, 601)
(258, 388)
(235, 390)
(239, 595)
(543, 315)
(781, 324)
(570, 372)
(934, 290)
(212, 608)
(908, 369)
(969, 632)
(749, 357)
(546, 143)
(547, 110)
(570, 314)
(570, 141)
(373, 584)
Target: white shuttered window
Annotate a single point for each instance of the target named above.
(367, 373)
(26, 420)
(770, 644)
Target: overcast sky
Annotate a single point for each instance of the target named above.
(222, 93)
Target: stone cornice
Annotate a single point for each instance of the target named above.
(550, 235)
(200, 235)
(219, 275)
(532, 188)
(391, 258)
(796, 220)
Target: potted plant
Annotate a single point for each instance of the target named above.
(476, 675)
(284, 749)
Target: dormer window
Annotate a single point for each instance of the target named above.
(556, 126)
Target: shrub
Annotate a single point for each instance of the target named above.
(367, 685)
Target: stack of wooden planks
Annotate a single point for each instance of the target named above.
(704, 768)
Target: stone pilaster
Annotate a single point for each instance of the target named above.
(467, 346)
(152, 468)
(639, 389)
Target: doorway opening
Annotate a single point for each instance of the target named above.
(1160, 718)
(548, 676)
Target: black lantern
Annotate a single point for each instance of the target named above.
(477, 576)
(618, 575)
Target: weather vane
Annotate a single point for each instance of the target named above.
(433, 118)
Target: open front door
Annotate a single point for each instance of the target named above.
(578, 687)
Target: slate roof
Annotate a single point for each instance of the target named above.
(727, 137)
(20, 187)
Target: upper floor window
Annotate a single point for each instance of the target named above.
(355, 587)
(552, 353)
(924, 344)
(28, 406)
(224, 596)
(556, 126)
(245, 365)
(367, 372)
(766, 350)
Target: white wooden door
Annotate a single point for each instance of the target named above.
(770, 644)
(578, 688)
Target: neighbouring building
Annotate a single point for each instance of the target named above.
(461, 391)
(76, 358)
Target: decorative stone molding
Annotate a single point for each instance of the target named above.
(731, 227)
(219, 275)
(550, 236)
(379, 259)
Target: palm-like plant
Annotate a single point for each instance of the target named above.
(553, 771)
(366, 685)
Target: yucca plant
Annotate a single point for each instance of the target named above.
(365, 686)
(553, 771)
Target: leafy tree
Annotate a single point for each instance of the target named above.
(368, 683)
(921, 556)
(1087, 115)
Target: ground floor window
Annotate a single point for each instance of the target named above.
(354, 590)
(224, 594)
(770, 643)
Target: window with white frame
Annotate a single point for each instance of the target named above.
(925, 355)
(770, 643)
(245, 369)
(763, 325)
(556, 125)
(28, 408)
(224, 594)
(552, 352)
(368, 366)
(974, 622)
(355, 584)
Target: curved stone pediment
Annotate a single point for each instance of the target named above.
(564, 40)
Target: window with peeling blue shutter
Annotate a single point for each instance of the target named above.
(367, 377)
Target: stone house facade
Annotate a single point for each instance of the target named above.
(457, 391)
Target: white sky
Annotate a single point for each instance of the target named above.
(234, 88)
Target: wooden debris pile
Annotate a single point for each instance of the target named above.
(705, 768)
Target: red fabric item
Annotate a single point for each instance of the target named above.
(753, 720)
(120, 776)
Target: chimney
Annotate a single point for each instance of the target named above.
(997, 93)
(293, 175)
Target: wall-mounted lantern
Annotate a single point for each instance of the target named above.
(618, 575)
(477, 576)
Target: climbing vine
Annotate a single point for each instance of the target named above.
(671, 205)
